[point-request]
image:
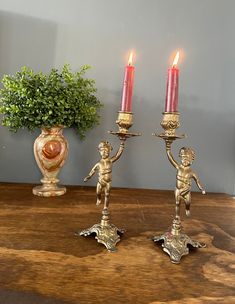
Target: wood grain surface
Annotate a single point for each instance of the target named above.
(42, 261)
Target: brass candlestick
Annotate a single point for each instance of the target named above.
(107, 233)
(174, 241)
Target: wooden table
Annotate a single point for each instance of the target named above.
(42, 261)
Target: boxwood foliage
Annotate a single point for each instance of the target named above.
(35, 100)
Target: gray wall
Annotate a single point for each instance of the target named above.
(47, 33)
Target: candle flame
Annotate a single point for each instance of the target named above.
(176, 59)
(130, 59)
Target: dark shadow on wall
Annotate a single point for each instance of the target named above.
(24, 41)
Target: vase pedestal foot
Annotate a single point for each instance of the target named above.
(48, 190)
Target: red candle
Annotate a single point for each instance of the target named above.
(172, 87)
(128, 83)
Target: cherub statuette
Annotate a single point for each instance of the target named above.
(184, 177)
(104, 170)
(106, 233)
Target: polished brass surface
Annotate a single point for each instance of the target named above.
(174, 241)
(170, 123)
(184, 177)
(124, 122)
(107, 233)
(104, 170)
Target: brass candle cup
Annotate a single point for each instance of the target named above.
(124, 122)
(170, 122)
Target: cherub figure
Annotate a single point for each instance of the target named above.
(104, 169)
(184, 176)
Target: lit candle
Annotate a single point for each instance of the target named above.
(172, 87)
(128, 83)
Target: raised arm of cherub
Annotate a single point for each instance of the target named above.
(92, 172)
(196, 178)
(119, 152)
(170, 156)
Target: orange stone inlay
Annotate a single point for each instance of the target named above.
(51, 149)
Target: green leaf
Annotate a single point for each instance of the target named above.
(33, 100)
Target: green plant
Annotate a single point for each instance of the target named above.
(35, 100)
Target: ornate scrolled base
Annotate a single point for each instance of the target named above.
(105, 234)
(176, 245)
